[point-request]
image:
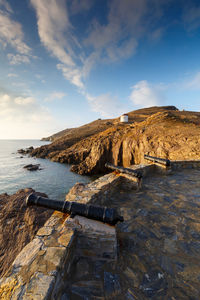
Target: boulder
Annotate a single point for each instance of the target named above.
(31, 167)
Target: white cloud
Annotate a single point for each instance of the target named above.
(40, 77)
(11, 75)
(194, 83)
(106, 105)
(24, 101)
(144, 94)
(115, 40)
(4, 4)
(55, 96)
(127, 22)
(16, 59)
(74, 75)
(21, 109)
(79, 6)
(11, 34)
(23, 117)
(54, 29)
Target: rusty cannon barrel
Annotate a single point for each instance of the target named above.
(162, 161)
(103, 214)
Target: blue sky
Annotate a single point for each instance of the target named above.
(65, 63)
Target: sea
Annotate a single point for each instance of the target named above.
(54, 179)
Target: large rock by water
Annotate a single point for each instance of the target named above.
(157, 131)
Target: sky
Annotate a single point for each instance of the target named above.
(66, 63)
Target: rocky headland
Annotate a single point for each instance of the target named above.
(158, 131)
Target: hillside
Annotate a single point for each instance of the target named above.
(82, 131)
(159, 131)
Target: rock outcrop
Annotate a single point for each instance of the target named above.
(25, 151)
(158, 131)
(32, 167)
(18, 224)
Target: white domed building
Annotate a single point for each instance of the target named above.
(124, 118)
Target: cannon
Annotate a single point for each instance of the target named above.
(128, 171)
(162, 161)
(103, 214)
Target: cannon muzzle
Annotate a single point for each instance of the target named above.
(103, 214)
(162, 161)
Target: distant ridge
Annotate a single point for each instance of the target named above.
(99, 125)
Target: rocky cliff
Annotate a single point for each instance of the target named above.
(158, 131)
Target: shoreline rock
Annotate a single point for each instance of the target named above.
(32, 167)
(25, 151)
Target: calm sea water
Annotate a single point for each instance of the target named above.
(54, 179)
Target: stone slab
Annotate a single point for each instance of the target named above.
(28, 253)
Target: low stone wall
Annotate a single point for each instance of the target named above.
(185, 164)
(36, 269)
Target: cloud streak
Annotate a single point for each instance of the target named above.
(144, 94)
(11, 34)
(54, 30)
(193, 83)
(55, 96)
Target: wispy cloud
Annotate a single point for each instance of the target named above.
(54, 29)
(11, 34)
(79, 6)
(55, 96)
(22, 117)
(106, 105)
(5, 5)
(194, 82)
(127, 22)
(16, 59)
(74, 75)
(145, 94)
(116, 39)
(191, 15)
(11, 75)
(21, 108)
